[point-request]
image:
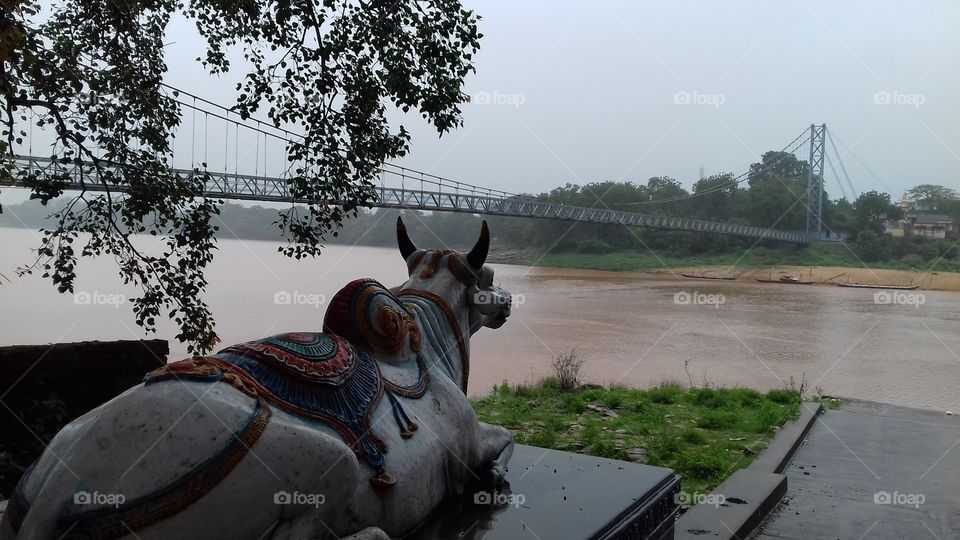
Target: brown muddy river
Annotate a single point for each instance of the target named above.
(631, 329)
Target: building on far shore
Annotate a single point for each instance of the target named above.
(926, 225)
(932, 225)
(920, 221)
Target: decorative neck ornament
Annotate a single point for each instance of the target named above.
(433, 312)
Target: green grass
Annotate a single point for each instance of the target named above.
(832, 404)
(705, 434)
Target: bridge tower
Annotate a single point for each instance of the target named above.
(818, 138)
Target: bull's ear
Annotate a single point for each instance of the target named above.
(403, 240)
(478, 255)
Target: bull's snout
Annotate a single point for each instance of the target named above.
(506, 303)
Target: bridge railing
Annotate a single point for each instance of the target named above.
(423, 191)
(432, 182)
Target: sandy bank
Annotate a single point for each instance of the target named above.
(828, 275)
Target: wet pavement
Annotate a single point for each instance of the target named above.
(870, 470)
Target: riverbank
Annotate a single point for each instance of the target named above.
(830, 275)
(705, 434)
(762, 264)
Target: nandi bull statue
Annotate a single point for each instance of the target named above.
(360, 431)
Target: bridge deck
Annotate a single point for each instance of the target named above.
(431, 195)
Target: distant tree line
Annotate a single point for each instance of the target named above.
(771, 194)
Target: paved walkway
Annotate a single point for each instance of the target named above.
(870, 470)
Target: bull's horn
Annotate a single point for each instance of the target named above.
(478, 255)
(403, 240)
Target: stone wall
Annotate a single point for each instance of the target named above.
(43, 387)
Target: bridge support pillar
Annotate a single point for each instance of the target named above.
(818, 136)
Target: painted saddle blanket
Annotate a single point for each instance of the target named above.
(313, 375)
(333, 377)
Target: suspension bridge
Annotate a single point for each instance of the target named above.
(396, 186)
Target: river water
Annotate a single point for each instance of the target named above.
(632, 329)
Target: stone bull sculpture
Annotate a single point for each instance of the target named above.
(359, 431)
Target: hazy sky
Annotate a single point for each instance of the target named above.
(617, 90)
(597, 82)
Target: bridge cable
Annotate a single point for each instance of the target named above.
(386, 167)
(853, 190)
(226, 144)
(206, 136)
(739, 179)
(864, 165)
(193, 137)
(395, 169)
(826, 159)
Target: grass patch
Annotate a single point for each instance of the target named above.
(665, 393)
(783, 396)
(718, 420)
(705, 434)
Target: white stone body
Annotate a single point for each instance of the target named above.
(150, 435)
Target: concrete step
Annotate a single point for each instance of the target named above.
(737, 507)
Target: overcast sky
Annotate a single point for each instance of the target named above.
(597, 81)
(593, 86)
(624, 90)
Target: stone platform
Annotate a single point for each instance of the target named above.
(555, 494)
(871, 470)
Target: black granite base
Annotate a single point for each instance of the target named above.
(552, 494)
